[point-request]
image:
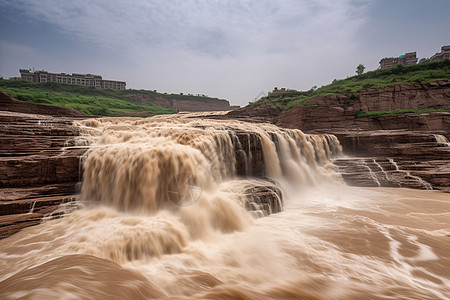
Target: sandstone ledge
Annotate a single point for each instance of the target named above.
(399, 158)
(39, 162)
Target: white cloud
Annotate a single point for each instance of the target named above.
(231, 49)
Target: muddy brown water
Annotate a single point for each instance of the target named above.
(130, 241)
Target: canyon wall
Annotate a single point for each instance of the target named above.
(39, 163)
(399, 158)
(432, 95)
(181, 104)
(336, 112)
(403, 150)
(339, 112)
(312, 118)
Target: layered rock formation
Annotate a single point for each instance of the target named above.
(248, 153)
(393, 149)
(40, 159)
(339, 111)
(39, 169)
(180, 104)
(432, 95)
(406, 150)
(263, 199)
(310, 118)
(401, 158)
(336, 118)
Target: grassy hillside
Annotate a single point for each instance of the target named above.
(90, 100)
(415, 74)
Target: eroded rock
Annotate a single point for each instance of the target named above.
(39, 162)
(402, 158)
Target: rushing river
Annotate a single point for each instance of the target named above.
(162, 215)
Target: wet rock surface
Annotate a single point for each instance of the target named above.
(263, 199)
(248, 153)
(39, 163)
(401, 158)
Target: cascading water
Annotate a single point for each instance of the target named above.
(442, 140)
(165, 215)
(153, 164)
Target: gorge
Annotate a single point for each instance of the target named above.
(397, 142)
(173, 206)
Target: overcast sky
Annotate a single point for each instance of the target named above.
(229, 49)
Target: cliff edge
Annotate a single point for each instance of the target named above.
(392, 136)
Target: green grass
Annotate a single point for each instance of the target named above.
(91, 100)
(363, 114)
(416, 74)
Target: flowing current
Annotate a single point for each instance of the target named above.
(169, 210)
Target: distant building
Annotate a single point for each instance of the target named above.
(277, 91)
(444, 54)
(81, 79)
(409, 58)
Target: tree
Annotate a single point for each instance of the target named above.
(360, 69)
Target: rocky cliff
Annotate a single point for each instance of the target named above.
(182, 103)
(340, 112)
(311, 118)
(39, 163)
(399, 158)
(432, 95)
(405, 150)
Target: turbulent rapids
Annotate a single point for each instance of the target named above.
(152, 165)
(180, 207)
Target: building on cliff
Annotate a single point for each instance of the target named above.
(409, 58)
(444, 54)
(81, 79)
(277, 91)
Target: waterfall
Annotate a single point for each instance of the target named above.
(442, 140)
(172, 208)
(151, 164)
